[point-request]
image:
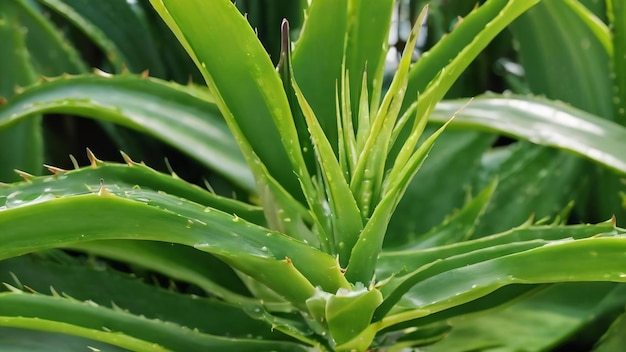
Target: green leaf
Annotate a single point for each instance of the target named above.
(50, 53)
(542, 122)
(120, 30)
(348, 314)
(593, 259)
(440, 186)
(114, 326)
(120, 340)
(392, 262)
(436, 71)
(179, 263)
(113, 212)
(14, 339)
(365, 253)
(560, 53)
(614, 339)
(458, 227)
(443, 52)
(617, 16)
(184, 117)
(344, 213)
(366, 45)
(248, 90)
(317, 63)
(534, 183)
(106, 287)
(22, 146)
(540, 321)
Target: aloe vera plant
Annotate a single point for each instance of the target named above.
(326, 253)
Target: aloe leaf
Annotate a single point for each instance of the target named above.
(541, 321)
(491, 303)
(573, 57)
(366, 251)
(395, 289)
(265, 16)
(543, 122)
(120, 30)
(344, 212)
(179, 263)
(459, 226)
(366, 45)
(257, 104)
(367, 179)
(14, 339)
(133, 175)
(114, 326)
(618, 25)
(448, 74)
(123, 341)
(183, 117)
(600, 30)
(312, 194)
(114, 213)
(462, 45)
(431, 62)
(453, 161)
(614, 339)
(106, 287)
(439, 68)
(593, 259)
(50, 53)
(285, 68)
(535, 183)
(430, 328)
(317, 63)
(22, 146)
(392, 262)
(560, 52)
(348, 314)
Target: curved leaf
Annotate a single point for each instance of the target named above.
(440, 186)
(543, 122)
(248, 90)
(593, 259)
(118, 27)
(49, 51)
(561, 53)
(317, 63)
(112, 212)
(618, 25)
(22, 146)
(114, 326)
(184, 117)
(107, 287)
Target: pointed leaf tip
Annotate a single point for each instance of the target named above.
(284, 36)
(145, 73)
